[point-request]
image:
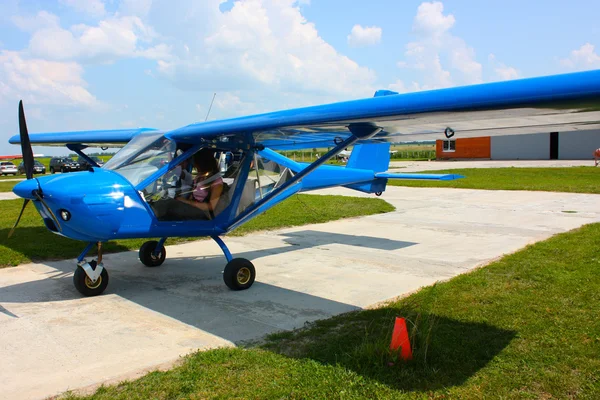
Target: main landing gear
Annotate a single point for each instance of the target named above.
(91, 279)
(153, 253)
(239, 273)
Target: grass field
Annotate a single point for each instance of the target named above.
(32, 241)
(7, 186)
(525, 326)
(570, 179)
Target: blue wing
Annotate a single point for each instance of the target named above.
(554, 103)
(109, 138)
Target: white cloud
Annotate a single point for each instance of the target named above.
(42, 20)
(444, 59)
(502, 71)
(258, 56)
(430, 20)
(367, 36)
(582, 59)
(113, 38)
(95, 8)
(261, 44)
(42, 82)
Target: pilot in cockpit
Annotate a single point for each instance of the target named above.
(207, 186)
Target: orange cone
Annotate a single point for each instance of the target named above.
(400, 339)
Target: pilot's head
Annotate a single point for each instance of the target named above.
(205, 162)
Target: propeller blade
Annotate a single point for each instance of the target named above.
(18, 219)
(39, 197)
(25, 143)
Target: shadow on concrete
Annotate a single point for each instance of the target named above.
(191, 289)
(446, 352)
(308, 238)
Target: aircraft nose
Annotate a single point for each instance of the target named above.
(25, 189)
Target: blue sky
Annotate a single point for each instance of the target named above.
(102, 64)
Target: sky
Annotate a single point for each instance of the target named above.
(113, 64)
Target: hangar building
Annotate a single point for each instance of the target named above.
(577, 145)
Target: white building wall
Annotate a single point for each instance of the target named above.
(578, 145)
(521, 147)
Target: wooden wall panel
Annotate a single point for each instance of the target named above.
(465, 148)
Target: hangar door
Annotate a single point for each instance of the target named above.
(521, 147)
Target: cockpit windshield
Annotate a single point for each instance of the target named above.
(142, 156)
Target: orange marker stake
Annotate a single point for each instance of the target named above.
(400, 339)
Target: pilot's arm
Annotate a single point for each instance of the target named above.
(215, 194)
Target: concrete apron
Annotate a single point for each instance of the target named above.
(54, 340)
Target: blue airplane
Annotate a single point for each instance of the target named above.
(206, 179)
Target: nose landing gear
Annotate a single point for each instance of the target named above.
(90, 279)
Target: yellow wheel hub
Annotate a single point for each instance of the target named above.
(93, 285)
(243, 275)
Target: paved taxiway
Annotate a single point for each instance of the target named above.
(54, 340)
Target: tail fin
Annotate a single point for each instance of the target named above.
(371, 156)
(374, 157)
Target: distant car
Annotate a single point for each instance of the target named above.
(6, 168)
(38, 168)
(63, 164)
(84, 165)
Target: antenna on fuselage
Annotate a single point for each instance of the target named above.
(210, 108)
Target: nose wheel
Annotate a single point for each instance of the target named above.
(90, 279)
(88, 286)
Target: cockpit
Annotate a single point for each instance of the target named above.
(177, 183)
(184, 182)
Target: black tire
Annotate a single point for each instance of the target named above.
(51, 170)
(62, 170)
(84, 285)
(148, 258)
(239, 274)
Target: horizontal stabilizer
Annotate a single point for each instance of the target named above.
(432, 177)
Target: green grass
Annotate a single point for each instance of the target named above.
(33, 242)
(525, 326)
(7, 186)
(570, 179)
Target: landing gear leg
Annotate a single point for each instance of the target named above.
(153, 253)
(90, 279)
(239, 273)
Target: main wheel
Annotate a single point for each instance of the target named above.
(147, 256)
(85, 286)
(239, 274)
(51, 170)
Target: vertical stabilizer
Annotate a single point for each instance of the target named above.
(371, 156)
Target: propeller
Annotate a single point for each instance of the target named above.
(28, 162)
(18, 219)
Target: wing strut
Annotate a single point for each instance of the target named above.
(359, 131)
